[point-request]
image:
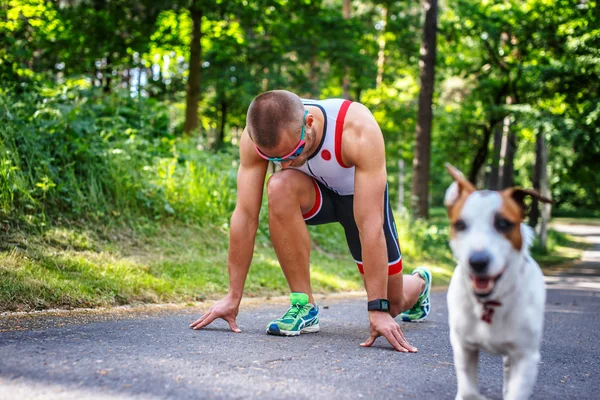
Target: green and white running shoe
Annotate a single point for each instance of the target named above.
(301, 317)
(421, 309)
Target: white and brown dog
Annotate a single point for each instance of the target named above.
(497, 293)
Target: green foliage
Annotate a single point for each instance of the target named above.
(92, 104)
(69, 153)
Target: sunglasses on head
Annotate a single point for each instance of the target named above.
(295, 153)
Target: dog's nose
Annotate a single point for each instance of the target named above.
(479, 261)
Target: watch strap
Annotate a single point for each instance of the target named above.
(379, 305)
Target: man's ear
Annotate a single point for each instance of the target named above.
(458, 187)
(310, 120)
(519, 194)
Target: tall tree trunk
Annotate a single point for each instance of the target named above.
(381, 55)
(508, 170)
(107, 74)
(314, 77)
(221, 135)
(509, 148)
(493, 177)
(534, 211)
(420, 183)
(193, 84)
(482, 151)
(346, 81)
(545, 191)
(100, 32)
(265, 80)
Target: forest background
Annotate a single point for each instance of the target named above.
(120, 122)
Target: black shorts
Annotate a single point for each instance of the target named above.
(331, 207)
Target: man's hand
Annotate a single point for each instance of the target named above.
(226, 308)
(382, 324)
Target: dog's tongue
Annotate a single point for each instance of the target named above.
(483, 285)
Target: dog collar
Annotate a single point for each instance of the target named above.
(488, 311)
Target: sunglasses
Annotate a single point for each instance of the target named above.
(295, 153)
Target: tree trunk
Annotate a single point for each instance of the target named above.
(508, 156)
(314, 77)
(482, 152)
(401, 206)
(420, 183)
(265, 80)
(545, 191)
(534, 212)
(493, 177)
(221, 135)
(193, 84)
(381, 41)
(107, 74)
(346, 81)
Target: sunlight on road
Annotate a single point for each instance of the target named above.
(33, 390)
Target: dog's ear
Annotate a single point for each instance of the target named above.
(519, 194)
(458, 187)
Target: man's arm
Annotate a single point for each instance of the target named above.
(242, 233)
(365, 150)
(244, 221)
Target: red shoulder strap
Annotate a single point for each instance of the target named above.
(339, 130)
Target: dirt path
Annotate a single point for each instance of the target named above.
(585, 273)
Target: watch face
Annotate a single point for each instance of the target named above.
(385, 305)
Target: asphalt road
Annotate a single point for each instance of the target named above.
(154, 355)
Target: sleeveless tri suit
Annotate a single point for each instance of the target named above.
(334, 186)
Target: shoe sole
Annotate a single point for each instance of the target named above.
(415, 320)
(308, 329)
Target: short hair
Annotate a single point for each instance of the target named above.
(272, 113)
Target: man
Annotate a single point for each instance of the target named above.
(332, 157)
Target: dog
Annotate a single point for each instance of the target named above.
(497, 293)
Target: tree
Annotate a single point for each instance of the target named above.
(422, 156)
(346, 82)
(193, 84)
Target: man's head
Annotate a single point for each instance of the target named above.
(275, 122)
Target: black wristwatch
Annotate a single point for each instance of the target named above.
(379, 305)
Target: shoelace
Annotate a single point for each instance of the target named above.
(293, 311)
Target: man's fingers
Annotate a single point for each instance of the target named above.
(370, 340)
(207, 320)
(402, 342)
(405, 343)
(233, 324)
(391, 337)
(193, 324)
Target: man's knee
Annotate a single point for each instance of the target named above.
(280, 191)
(279, 186)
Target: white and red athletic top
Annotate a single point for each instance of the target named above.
(325, 164)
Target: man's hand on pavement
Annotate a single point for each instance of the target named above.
(226, 308)
(382, 324)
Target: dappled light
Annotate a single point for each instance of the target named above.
(122, 123)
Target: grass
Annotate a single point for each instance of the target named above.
(78, 169)
(70, 267)
(562, 249)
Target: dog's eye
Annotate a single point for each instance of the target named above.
(502, 224)
(460, 226)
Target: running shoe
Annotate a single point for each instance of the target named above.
(301, 317)
(421, 309)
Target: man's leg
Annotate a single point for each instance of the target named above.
(404, 291)
(291, 193)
